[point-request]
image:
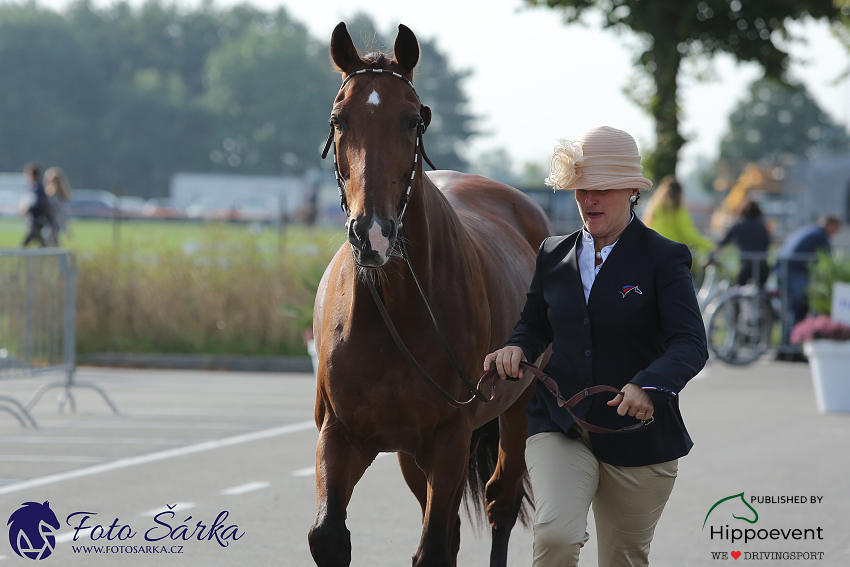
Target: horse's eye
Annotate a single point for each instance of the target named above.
(335, 122)
(413, 123)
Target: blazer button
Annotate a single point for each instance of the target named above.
(586, 321)
(587, 353)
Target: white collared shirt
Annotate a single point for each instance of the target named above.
(587, 260)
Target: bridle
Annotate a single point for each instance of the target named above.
(491, 375)
(421, 127)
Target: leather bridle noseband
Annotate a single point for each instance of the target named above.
(421, 127)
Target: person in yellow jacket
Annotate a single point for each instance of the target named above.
(666, 215)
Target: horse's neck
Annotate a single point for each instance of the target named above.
(430, 231)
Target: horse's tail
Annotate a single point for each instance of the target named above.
(484, 453)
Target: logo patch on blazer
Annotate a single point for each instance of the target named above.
(627, 288)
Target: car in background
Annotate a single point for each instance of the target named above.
(162, 208)
(92, 203)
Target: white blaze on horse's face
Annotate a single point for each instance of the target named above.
(374, 99)
(380, 243)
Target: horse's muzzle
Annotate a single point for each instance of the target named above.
(372, 240)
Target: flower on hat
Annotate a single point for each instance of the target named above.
(565, 161)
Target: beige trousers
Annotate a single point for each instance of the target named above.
(566, 478)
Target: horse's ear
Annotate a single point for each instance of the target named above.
(406, 49)
(425, 112)
(343, 53)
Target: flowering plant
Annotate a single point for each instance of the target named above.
(563, 169)
(820, 327)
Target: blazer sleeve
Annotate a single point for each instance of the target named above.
(683, 331)
(533, 332)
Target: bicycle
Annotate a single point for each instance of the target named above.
(714, 285)
(740, 326)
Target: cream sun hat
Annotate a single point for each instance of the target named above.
(602, 158)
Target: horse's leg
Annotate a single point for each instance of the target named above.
(445, 468)
(504, 492)
(418, 484)
(339, 466)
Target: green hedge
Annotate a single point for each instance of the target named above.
(225, 296)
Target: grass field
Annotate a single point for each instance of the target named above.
(151, 236)
(193, 287)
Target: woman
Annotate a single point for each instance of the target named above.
(616, 302)
(58, 192)
(752, 238)
(666, 215)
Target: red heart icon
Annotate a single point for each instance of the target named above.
(736, 554)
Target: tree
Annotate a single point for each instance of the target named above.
(673, 30)
(777, 120)
(273, 87)
(776, 123)
(51, 85)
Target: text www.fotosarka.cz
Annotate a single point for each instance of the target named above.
(136, 549)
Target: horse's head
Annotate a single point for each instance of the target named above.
(376, 119)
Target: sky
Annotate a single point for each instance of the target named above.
(535, 79)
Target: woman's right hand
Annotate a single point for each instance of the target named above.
(507, 361)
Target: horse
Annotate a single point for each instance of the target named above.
(464, 253)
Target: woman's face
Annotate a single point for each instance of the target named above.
(605, 213)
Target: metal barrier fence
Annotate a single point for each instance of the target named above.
(38, 310)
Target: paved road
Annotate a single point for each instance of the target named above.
(208, 442)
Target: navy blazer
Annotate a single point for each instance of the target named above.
(641, 324)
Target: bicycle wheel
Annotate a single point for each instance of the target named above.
(739, 330)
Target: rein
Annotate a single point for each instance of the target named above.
(552, 386)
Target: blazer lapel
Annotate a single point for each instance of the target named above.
(616, 266)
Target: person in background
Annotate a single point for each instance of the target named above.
(751, 236)
(666, 215)
(58, 192)
(616, 302)
(39, 212)
(799, 250)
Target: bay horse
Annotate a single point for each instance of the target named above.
(472, 243)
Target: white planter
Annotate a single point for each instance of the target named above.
(829, 362)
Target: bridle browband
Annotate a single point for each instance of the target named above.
(421, 127)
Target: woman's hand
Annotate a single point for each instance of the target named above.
(507, 361)
(635, 403)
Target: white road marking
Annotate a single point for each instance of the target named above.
(69, 536)
(179, 507)
(243, 488)
(158, 456)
